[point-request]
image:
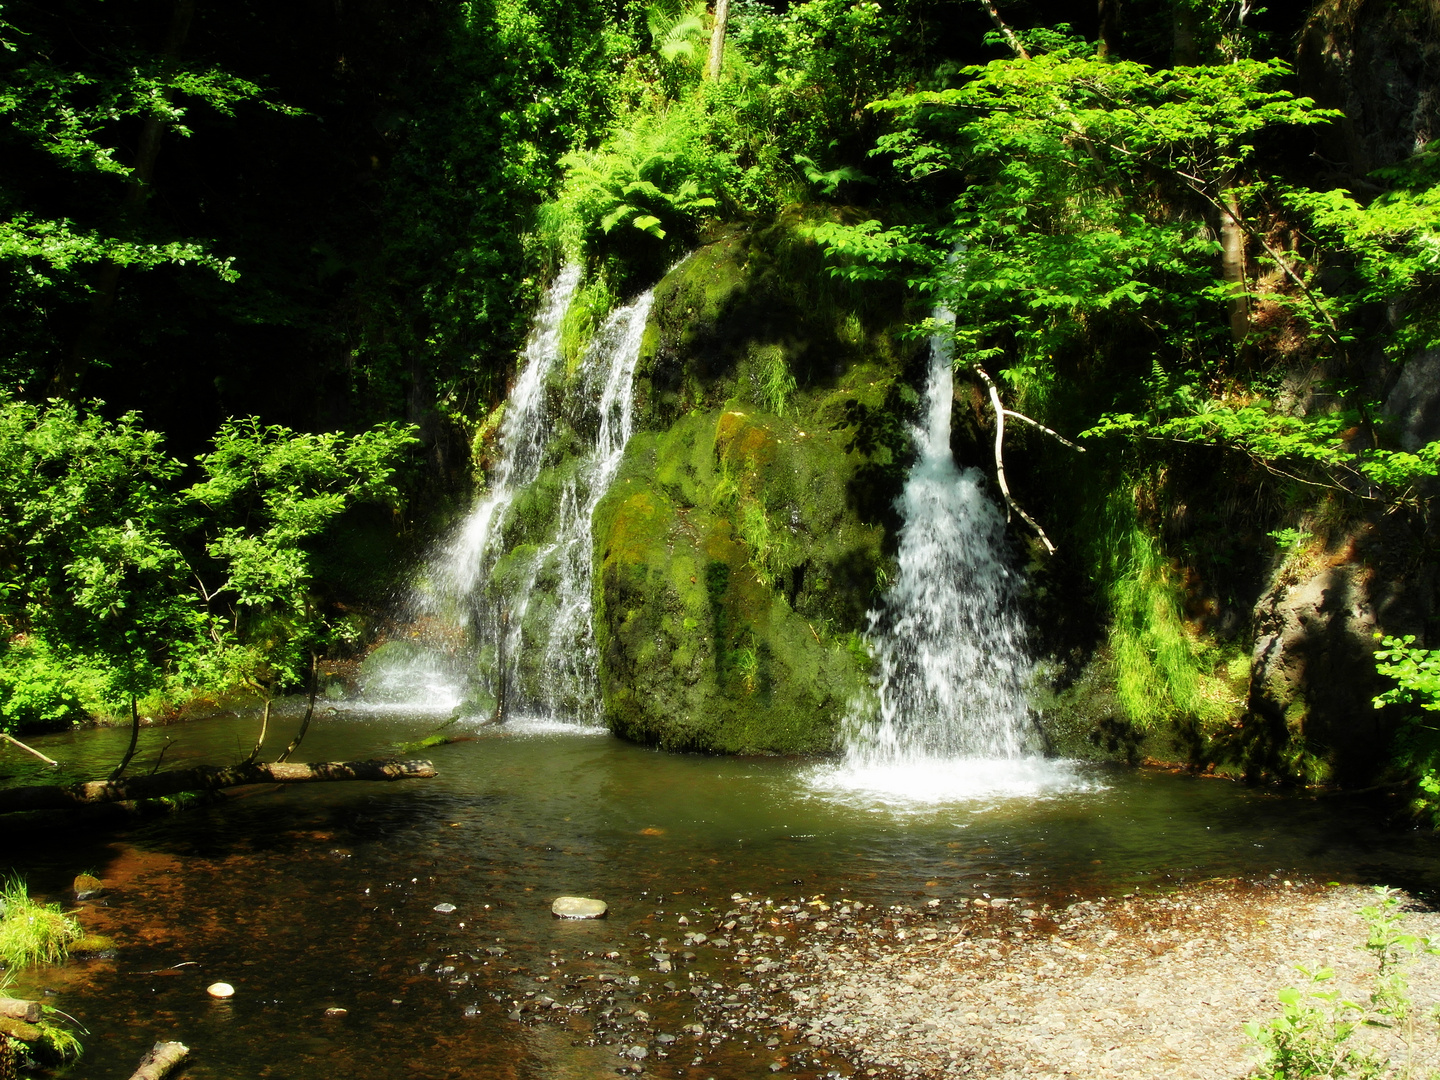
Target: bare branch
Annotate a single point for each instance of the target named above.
(28, 749)
(1048, 431)
(1000, 412)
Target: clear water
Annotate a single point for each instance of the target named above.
(323, 895)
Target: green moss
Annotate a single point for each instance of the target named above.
(591, 303)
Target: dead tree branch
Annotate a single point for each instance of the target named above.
(28, 749)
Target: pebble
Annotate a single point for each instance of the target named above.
(336, 1011)
(444, 909)
(220, 990)
(578, 907)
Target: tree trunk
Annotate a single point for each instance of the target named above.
(70, 369)
(134, 738)
(1232, 269)
(162, 1058)
(1109, 34)
(309, 710)
(1186, 49)
(717, 40)
(204, 778)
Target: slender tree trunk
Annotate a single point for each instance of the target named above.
(717, 40)
(134, 739)
(264, 726)
(70, 370)
(1109, 35)
(309, 710)
(1186, 49)
(1232, 269)
(1011, 38)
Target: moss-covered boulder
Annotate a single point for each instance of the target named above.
(752, 521)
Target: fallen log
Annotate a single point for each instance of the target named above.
(16, 1009)
(204, 778)
(163, 1057)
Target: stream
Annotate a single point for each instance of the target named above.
(323, 896)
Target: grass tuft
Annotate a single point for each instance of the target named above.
(32, 932)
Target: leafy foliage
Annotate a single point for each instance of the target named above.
(105, 556)
(1416, 672)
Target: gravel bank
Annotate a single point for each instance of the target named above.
(1139, 987)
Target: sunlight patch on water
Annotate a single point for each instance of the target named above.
(927, 783)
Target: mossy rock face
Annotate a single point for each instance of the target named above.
(741, 546)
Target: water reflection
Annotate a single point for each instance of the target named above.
(323, 896)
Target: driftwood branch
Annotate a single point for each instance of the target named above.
(162, 1058)
(28, 749)
(204, 778)
(1000, 413)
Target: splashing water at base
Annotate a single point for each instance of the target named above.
(949, 719)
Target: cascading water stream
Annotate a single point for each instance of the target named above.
(950, 716)
(514, 582)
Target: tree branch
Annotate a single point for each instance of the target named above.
(28, 749)
(1048, 431)
(1000, 413)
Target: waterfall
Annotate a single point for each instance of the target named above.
(949, 715)
(506, 601)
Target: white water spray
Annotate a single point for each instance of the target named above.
(950, 716)
(493, 606)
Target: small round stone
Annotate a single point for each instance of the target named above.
(220, 990)
(579, 907)
(444, 909)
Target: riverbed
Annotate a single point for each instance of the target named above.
(322, 898)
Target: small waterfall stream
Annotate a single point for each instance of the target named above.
(514, 582)
(950, 714)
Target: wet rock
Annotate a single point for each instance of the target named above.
(578, 907)
(334, 1011)
(87, 886)
(220, 990)
(444, 909)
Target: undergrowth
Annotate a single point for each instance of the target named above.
(1313, 1035)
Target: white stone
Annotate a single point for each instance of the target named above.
(220, 990)
(578, 907)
